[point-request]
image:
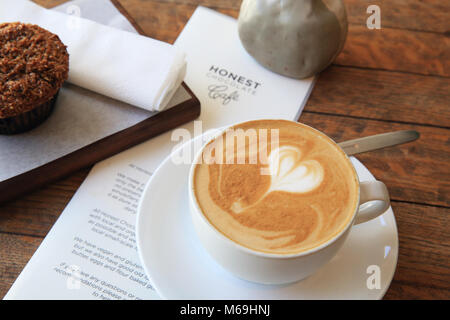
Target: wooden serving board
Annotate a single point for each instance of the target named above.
(101, 149)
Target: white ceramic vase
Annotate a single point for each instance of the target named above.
(296, 38)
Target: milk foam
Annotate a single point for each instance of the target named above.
(289, 173)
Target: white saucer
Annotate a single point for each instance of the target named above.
(180, 268)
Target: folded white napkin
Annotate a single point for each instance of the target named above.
(128, 67)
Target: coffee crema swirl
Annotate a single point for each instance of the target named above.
(307, 196)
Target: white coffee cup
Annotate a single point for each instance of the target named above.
(271, 268)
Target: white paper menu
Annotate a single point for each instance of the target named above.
(90, 252)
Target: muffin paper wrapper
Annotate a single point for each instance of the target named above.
(28, 120)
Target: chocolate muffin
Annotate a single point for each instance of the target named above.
(34, 63)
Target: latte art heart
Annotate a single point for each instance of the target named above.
(289, 173)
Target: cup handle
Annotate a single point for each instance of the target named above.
(373, 200)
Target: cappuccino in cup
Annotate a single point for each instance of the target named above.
(273, 200)
(285, 195)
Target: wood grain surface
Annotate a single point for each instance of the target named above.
(390, 79)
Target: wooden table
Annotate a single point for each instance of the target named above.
(390, 79)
